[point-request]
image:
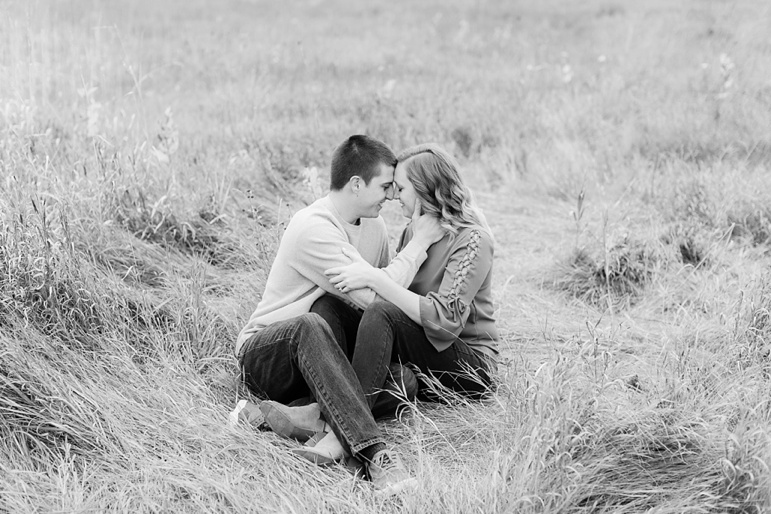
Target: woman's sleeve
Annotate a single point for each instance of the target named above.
(405, 238)
(444, 313)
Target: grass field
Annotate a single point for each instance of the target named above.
(150, 153)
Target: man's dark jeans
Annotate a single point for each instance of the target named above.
(399, 383)
(300, 357)
(387, 334)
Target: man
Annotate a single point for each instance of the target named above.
(287, 352)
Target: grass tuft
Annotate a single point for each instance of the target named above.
(751, 223)
(617, 277)
(157, 223)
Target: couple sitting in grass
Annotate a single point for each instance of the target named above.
(337, 321)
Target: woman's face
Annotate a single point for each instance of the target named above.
(404, 191)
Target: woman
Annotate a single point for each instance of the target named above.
(443, 323)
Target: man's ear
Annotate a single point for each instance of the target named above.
(355, 183)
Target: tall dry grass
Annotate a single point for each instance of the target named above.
(150, 153)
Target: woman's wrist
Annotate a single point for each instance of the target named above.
(376, 280)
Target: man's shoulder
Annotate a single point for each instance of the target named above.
(309, 216)
(317, 208)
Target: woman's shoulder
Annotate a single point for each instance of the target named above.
(475, 236)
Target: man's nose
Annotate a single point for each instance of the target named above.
(392, 194)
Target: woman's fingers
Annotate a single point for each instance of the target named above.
(336, 277)
(334, 271)
(418, 210)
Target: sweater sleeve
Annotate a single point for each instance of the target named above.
(405, 265)
(444, 313)
(401, 269)
(405, 238)
(385, 252)
(410, 256)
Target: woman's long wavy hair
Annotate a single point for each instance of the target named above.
(435, 175)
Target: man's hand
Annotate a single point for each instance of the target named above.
(356, 275)
(426, 227)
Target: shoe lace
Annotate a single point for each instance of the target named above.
(386, 460)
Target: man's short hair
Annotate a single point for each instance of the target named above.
(359, 155)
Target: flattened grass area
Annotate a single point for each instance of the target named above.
(151, 153)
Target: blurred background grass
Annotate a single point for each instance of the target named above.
(151, 151)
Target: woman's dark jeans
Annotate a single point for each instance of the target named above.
(399, 383)
(387, 334)
(300, 357)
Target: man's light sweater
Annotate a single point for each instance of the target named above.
(312, 243)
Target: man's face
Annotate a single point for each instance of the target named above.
(405, 192)
(372, 196)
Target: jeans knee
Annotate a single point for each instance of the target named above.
(404, 378)
(312, 325)
(326, 302)
(311, 320)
